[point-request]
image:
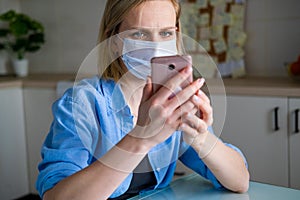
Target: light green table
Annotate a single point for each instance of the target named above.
(194, 187)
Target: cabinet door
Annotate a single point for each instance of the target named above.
(13, 159)
(250, 125)
(294, 137)
(38, 117)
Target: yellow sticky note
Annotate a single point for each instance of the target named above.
(202, 3)
(189, 45)
(241, 39)
(233, 33)
(228, 19)
(190, 31)
(220, 46)
(205, 44)
(216, 32)
(220, 8)
(238, 23)
(203, 66)
(204, 33)
(217, 20)
(228, 56)
(238, 72)
(215, 59)
(238, 10)
(203, 20)
(236, 53)
(216, 2)
(237, 38)
(239, 69)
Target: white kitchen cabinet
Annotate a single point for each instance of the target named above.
(294, 141)
(13, 156)
(38, 118)
(272, 154)
(250, 125)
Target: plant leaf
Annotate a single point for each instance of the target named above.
(36, 26)
(2, 46)
(36, 38)
(8, 16)
(19, 44)
(3, 32)
(33, 48)
(18, 28)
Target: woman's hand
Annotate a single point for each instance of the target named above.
(195, 126)
(224, 162)
(159, 115)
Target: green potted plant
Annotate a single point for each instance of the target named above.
(22, 34)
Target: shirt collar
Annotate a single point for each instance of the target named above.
(117, 101)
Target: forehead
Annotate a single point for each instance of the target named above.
(151, 14)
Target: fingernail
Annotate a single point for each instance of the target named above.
(188, 115)
(188, 70)
(196, 98)
(201, 81)
(199, 92)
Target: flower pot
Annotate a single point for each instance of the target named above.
(20, 67)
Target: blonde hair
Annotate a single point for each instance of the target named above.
(114, 14)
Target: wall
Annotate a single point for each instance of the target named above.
(6, 5)
(71, 32)
(72, 27)
(273, 28)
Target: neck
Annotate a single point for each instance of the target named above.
(132, 88)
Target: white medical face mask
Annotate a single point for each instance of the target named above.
(137, 54)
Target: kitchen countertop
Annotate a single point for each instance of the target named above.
(196, 187)
(260, 86)
(35, 80)
(264, 86)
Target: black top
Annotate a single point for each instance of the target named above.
(143, 177)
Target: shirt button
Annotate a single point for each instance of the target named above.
(158, 169)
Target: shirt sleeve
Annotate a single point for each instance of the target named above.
(67, 148)
(191, 159)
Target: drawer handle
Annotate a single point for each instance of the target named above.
(297, 121)
(276, 126)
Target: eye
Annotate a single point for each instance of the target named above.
(139, 35)
(167, 34)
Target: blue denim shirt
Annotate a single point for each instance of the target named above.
(91, 118)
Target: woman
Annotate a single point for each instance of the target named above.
(88, 155)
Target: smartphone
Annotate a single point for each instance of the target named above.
(165, 67)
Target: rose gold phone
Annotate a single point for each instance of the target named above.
(164, 68)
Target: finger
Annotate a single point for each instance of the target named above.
(187, 107)
(203, 96)
(147, 91)
(194, 122)
(190, 131)
(174, 83)
(185, 94)
(205, 108)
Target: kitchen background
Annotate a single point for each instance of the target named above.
(71, 29)
(272, 26)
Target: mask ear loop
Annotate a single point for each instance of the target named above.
(116, 53)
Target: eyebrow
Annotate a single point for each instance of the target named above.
(147, 29)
